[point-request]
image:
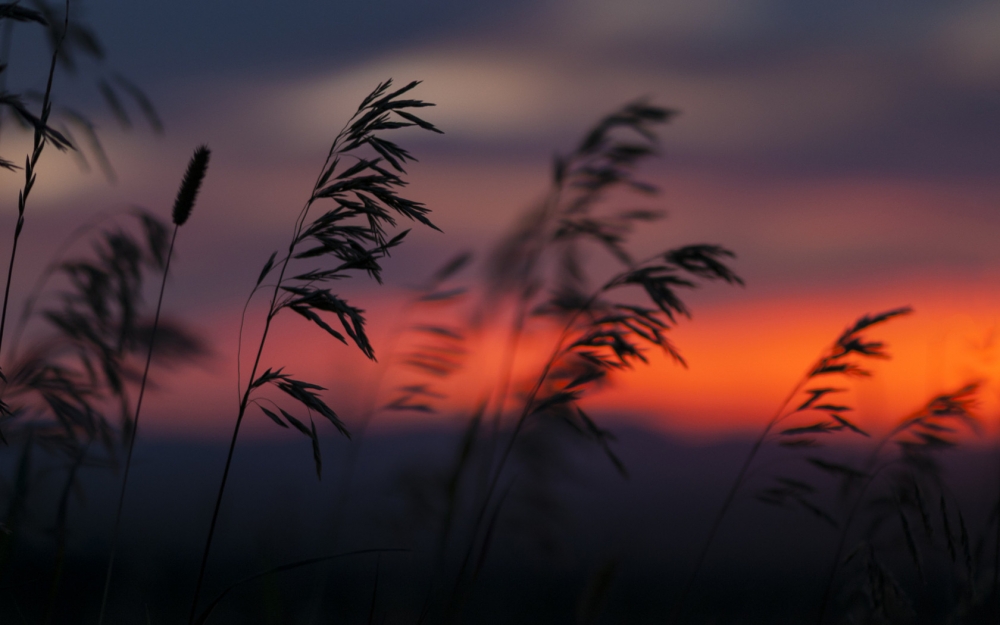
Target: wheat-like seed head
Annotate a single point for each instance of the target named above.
(190, 184)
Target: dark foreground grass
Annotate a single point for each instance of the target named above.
(768, 565)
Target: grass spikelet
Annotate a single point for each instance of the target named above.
(190, 185)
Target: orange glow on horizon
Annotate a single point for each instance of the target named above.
(815, 252)
(744, 357)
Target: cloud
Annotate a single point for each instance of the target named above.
(676, 21)
(488, 96)
(969, 45)
(789, 85)
(477, 95)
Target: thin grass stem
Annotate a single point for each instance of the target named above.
(826, 363)
(232, 444)
(135, 432)
(29, 169)
(367, 119)
(731, 496)
(244, 401)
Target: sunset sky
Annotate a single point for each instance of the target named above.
(848, 152)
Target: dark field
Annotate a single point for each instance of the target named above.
(575, 522)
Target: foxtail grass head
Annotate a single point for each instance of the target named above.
(190, 184)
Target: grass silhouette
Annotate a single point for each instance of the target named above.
(67, 394)
(183, 206)
(537, 273)
(838, 360)
(911, 480)
(61, 387)
(352, 236)
(43, 134)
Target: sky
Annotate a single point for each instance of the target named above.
(848, 153)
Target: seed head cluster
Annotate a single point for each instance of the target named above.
(190, 184)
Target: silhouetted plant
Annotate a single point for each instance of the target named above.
(841, 359)
(543, 254)
(43, 134)
(603, 335)
(183, 205)
(915, 499)
(351, 235)
(69, 387)
(539, 266)
(64, 388)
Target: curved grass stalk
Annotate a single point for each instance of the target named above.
(946, 406)
(830, 362)
(244, 400)
(658, 281)
(363, 190)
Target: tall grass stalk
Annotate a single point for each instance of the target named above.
(183, 205)
(539, 266)
(73, 374)
(606, 340)
(929, 424)
(245, 399)
(831, 362)
(363, 191)
(519, 425)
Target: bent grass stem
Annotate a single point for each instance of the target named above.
(830, 362)
(557, 351)
(244, 401)
(731, 496)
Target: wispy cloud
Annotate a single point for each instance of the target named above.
(969, 45)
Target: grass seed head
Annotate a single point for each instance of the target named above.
(190, 184)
